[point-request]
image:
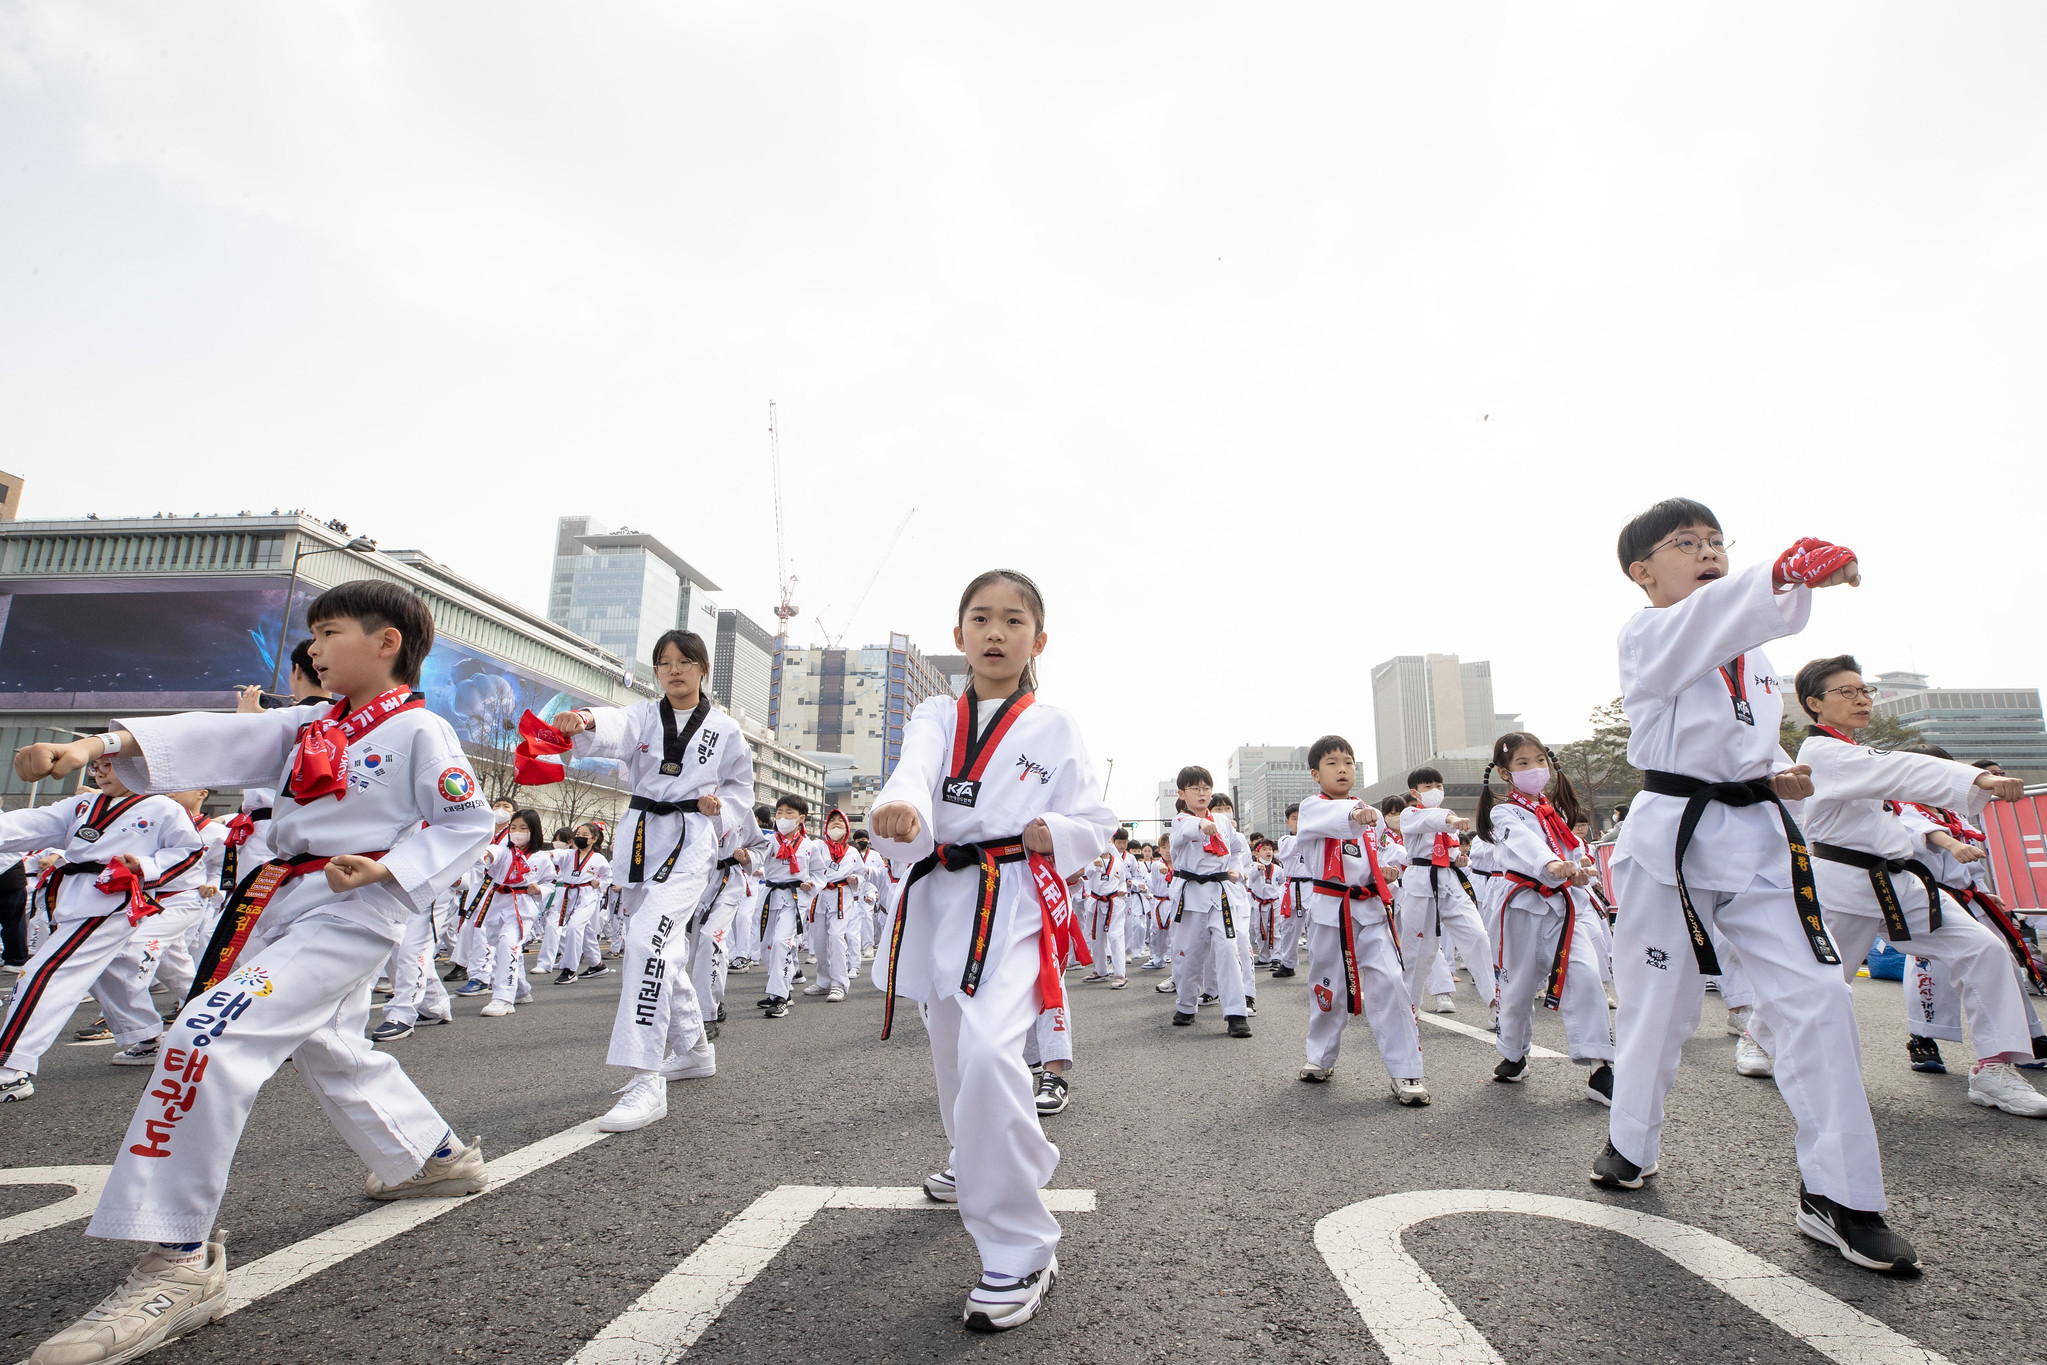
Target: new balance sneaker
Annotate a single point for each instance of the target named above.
(20, 1088)
(997, 1304)
(778, 1008)
(1599, 1085)
(160, 1301)
(96, 1032)
(144, 1054)
(1240, 1027)
(1998, 1085)
(497, 1009)
(693, 1065)
(1181, 1019)
(1317, 1074)
(471, 987)
(565, 976)
(1751, 1060)
(599, 970)
(1616, 1172)
(458, 1173)
(1924, 1054)
(939, 1185)
(390, 1031)
(1051, 1097)
(816, 988)
(642, 1100)
(1410, 1090)
(1863, 1238)
(1510, 1072)
(1445, 1005)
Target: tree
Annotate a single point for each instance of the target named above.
(493, 734)
(1598, 767)
(582, 796)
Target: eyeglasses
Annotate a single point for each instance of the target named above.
(677, 667)
(1852, 693)
(1692, 546)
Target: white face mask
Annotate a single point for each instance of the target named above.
(501, 818)
(1432, 798)
(785, 825)
(1531, 781)
(517, 838)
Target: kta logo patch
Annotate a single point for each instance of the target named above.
(457, 785)
(1325, 999)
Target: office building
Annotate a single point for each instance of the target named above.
(852, 701)
(622, 590)
(742, 666)
(1165, 806)
(1425, 706)
(2004, 724)
(1265, 779)
(10, 496)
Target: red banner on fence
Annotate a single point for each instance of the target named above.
(2016, 833)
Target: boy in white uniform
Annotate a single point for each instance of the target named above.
(1207, 930)
(1436, 911)
(1107, 883)
(1709, 842)
(1286, 954)
(293, 977)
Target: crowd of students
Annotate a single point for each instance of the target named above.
(364, 858)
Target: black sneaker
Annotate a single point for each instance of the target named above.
(599, 970)
(721, 1013)
(1251, 1006)
(1863, 1238)
(2039, 1056)
(1282, 971)
(1616, 1172)
(1208, 999)
(765, 1002)
(1051, 1097)
(799, 978)
(1510, 1072)
(426, 1020)
(565, 976)
(778, 1008)
(458, 974)
(1182, 1020)
(1599, 1085)
(98, 1032)
(1240, 1027)
(711, 1031)
(1924, 1054)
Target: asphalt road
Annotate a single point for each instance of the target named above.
(1211, 1165)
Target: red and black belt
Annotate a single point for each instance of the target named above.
(2003, 925)
(245, 907)
(1560, 961)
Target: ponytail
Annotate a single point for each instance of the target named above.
(1486, 801)
(1563, 795)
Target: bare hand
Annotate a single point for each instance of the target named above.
(570, 723)
(1561, 870)
(1794, 783)
(1208, 828)
(352, 872)
(2000, 788)
(897, 820)
(249, 700)
(1849, 573)
(1969, 853)
(743, 858)
(1459, 823)
(708, 805)
(34, 762)
(1236, 877)
(1037, 836)
(129, 861)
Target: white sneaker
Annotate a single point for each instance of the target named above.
(1998, 1085)
(20, 1088)
(1751, 1060)
(835, 995)
(993, 1309)
(158, 1302)
(1737, 1021)
(460, 1172)
(1445, 1005)
(137, 1054)
(498, 1009)
(1317, 1074)
(939, 1185)
(1410, 1090)
(695, 1064)
(643, 1100)
(816, 988)
(540, 971)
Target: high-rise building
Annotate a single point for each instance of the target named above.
(10, 496)
(1265, 779)
(622, 590)
(2003, 724)
(742, 666)
(1428, 705)
(1166, 804)
(852, 701)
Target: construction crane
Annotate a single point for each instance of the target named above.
(832, 640)
(785, 582)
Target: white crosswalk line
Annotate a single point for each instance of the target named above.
(86, 1180)
(665, 1321)
(1483, 1035)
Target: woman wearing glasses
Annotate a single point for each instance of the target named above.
(1873, 880)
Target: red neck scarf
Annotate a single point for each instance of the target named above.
(1830, 730)
(1946, 819)
(1562, 842)
(837, 846)
(518, 871)
(787, 846)
(319, 766)
(1215, 842)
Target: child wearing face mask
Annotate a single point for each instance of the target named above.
(516, 870)
(1435, 909)
(583, 874)
(1547, 950)
(795, 867)
(833, 926)
(1266, 886)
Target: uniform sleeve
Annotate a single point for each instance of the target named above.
(429, 862)
(1327, 819)
(27, 831)
(1079, 821)
(1423, 821)
(1523, 849)
(915, 780)
(179, 849)
(610, 734)
(735, 787)
(1664, 650)
(208, 749)
(1856, 772)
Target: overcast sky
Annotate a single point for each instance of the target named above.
(1273, 340)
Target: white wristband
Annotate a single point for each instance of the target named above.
(111, 743)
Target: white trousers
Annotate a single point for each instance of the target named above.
(161, 948)
(304, 994)
(1528, 946)
(1382, 983)
(1981, 963)
(826, 935)
(1050, 1039)
(504, 927)
(75, 955)
(1203, 943)
(1933, 1007)
(1000, 1158)
(1422, 946)
(1804, 1004)
(415, 986)
(710, 941)
(1107, 934)
(657, 1009)
(784, 931)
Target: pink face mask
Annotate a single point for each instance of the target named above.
(1531, 781)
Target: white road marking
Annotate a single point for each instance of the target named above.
(93, 1042)
(87, 1181)
(666, 1321)
(266, 1275)
(1415, 1323)
(1483, 1035)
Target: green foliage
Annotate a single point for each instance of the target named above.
(1598, 767)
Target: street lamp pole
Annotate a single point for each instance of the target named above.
(359, 545)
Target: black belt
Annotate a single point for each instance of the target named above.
(2000, 922)
(1880, 870)
(768, 900)
(989, 856)
(1206, 879)
(647, 807)
(1697, 796)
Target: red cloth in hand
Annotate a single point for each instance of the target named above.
(536, 740)
(1809, 561)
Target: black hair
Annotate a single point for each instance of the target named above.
(1563, 796)
(1986, 764)
(596, 828)
(504, 801)
(1640, 537)
(1293, 808)
(1034, 602)
(1930, 750)
(1393, 805)
(1180, 805)
(795, 803)
(1193, 775)
(1259, 841)
(302, 661)
(1812, 679)
(763, 815)
(1421, 775)
(374, 604)
(1324, 747)
(692, 646)
(564, 834)
(1120, 833)
(535, 832)
(1221, 801)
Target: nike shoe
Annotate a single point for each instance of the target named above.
(1052, 1094)
(1863, 1238)
(693, 1065)
(565, 976)
(642, 1100)
(939, 1186)
(1616, 1172)
(1511, 1072)
(599, 970)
